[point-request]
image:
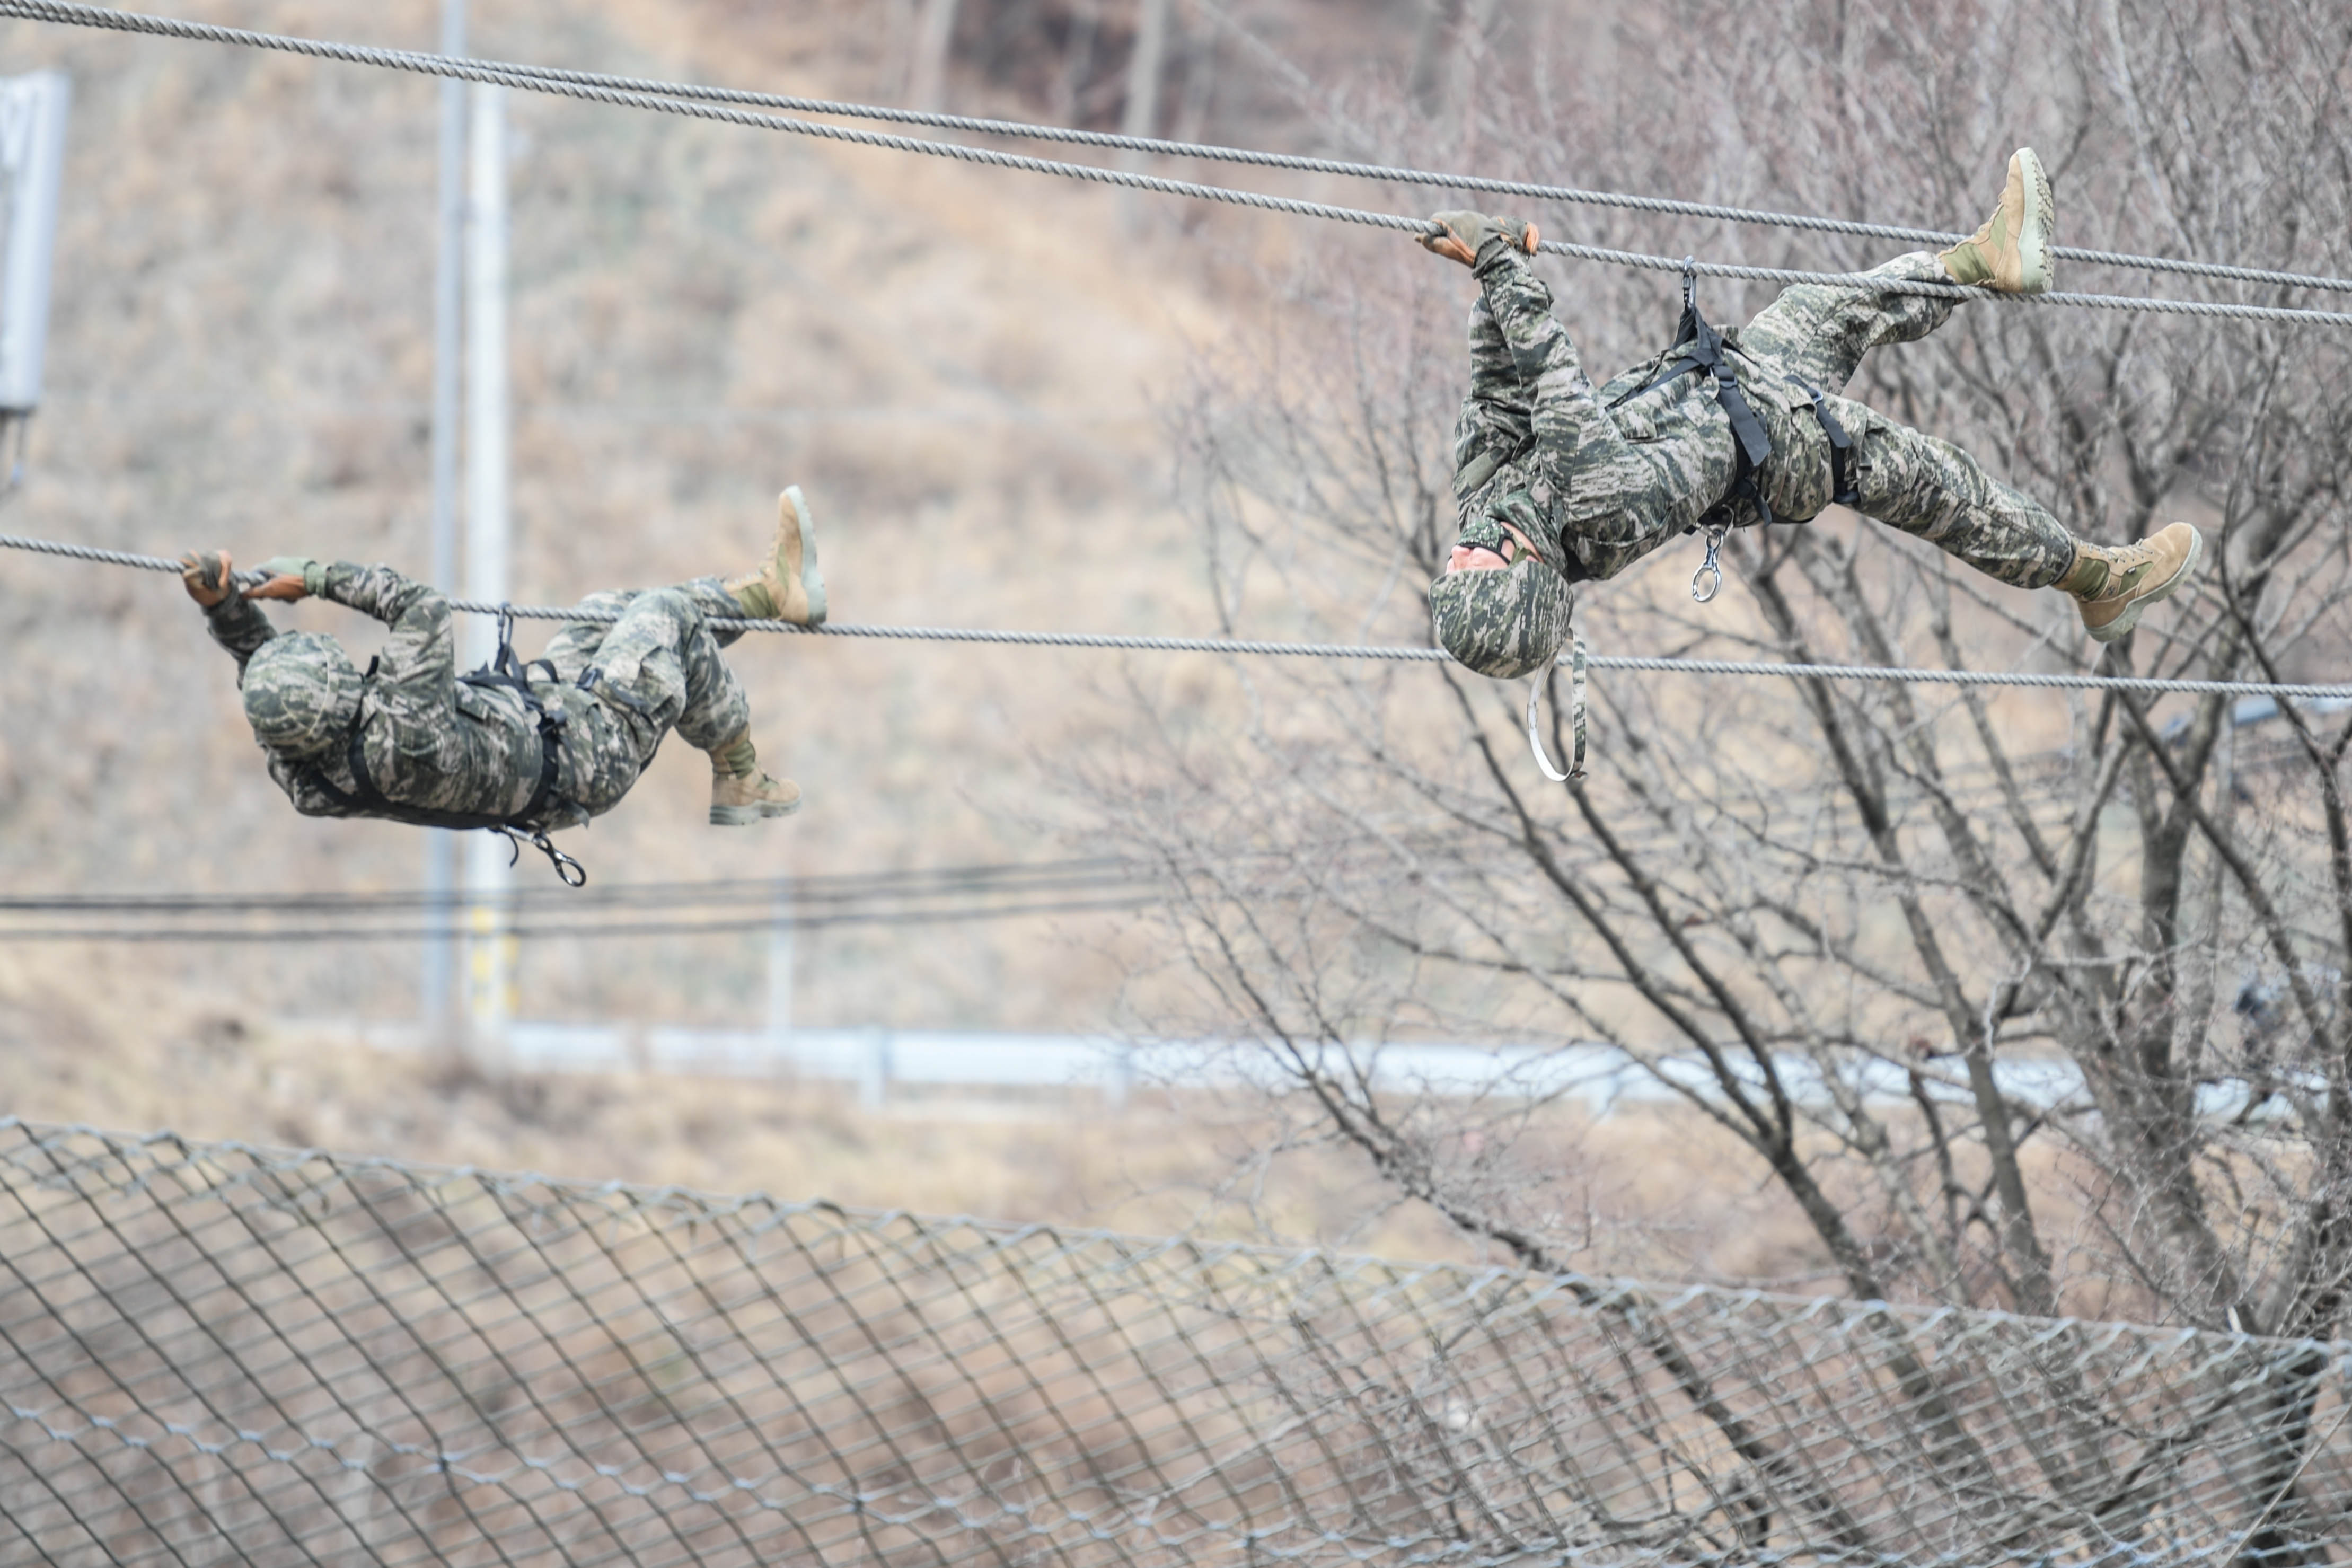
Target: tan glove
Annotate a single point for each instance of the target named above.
(1467, 233)
(206, 576)
(289, 578)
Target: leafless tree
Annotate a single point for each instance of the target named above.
(2032, 1000)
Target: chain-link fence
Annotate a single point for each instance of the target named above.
(216, 1353)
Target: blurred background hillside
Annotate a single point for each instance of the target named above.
(960, 370)
(969, 372)
(1014, 402)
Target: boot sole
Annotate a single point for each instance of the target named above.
(811, 580)
(745, 815)
(2121, 626)
(2041, 219)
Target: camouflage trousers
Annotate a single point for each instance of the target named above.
(658, 668)
(1815, 334)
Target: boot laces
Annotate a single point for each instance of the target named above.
(2127, 567)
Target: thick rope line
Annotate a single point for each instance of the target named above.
(1204, 151)
(591, 88)
(1392, 173)
(2148, 684)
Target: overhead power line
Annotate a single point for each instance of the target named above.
(805, 893)
(550, 930)
(933, 895)
(2148, 685)
(710, 104)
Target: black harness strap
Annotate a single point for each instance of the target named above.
(1701, 349)
(530, 823)
(1842, 490)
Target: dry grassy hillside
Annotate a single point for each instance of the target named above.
(965, 369)
(959, 366)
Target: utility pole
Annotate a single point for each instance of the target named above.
(490, 935)
(1142, 112)
(927, 70)
(435, 984)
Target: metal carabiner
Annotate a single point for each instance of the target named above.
(1575, 658)
(568, 871)
(1690, 281)
(1711, 571)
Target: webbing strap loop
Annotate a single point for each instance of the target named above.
(1575, 658)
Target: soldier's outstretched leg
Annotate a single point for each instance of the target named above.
(1819, 333)
(660, 665)
(1937, 491)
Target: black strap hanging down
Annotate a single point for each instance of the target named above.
(1842, 490)
(1700, 348)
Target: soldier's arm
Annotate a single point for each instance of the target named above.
(1562, 416)
(418, 661)
(238, 626)
(1521, 306)
(1493, 371)
(234, 624)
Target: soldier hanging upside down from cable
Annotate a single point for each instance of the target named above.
(524, 749)
(1557, 483)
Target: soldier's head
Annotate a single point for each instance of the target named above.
(1500, 619)
(301, 693)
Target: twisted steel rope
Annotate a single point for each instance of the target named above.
(714, 104)
(1401, 174)
(2146, 684)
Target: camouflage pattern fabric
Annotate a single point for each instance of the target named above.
(1597, 488)
(301, 693)
(435, 742)
(1503, 624)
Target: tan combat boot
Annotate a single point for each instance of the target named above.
(2011, 254)
(2113, 584)
(787, 585)
(740, 792)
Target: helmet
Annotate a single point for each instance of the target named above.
(302, 692)
(1506, 623)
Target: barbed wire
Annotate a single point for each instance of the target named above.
(2150, 685)
(669, 99)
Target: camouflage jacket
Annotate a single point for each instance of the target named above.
(431, 741)
(1597, 477)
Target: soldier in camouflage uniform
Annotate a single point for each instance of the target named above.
(1558, 483)
(561, 742)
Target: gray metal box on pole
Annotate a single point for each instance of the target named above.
(32, 163)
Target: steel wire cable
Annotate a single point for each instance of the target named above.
(2148, 685)
(585, 930)
(592, 87)
(1393, 173)
(815, 892)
